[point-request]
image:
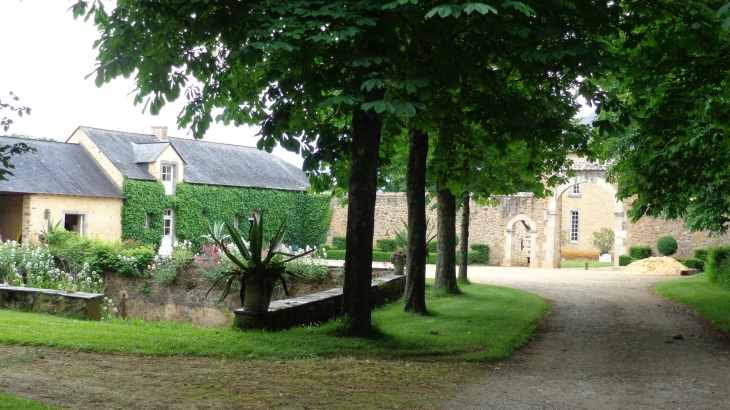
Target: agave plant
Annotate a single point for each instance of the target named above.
(256, 271)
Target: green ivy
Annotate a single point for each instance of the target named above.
(308, 216)
(143, 197)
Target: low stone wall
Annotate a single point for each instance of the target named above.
(53, 302)
(316, 308)
(185, 300)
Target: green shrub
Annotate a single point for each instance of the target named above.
(478, 258)
(336, 254)
(640, 252)
(386, 244)
(694, 263)
(701, 254)
(667, 245)
(379, 256)
(433, 245)
(480, 255)
(325, 246)
(624, 260)
(339, 242)
(718, 265)
(480, 247)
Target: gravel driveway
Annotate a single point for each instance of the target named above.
(610, 343)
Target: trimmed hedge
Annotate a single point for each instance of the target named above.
(701, 254)
(640, 252)
(386, 245)
(473, 258)
(624, 260)
(433, 245)
(667, 245)
(694, 263)
(339, 242)
(718, 265)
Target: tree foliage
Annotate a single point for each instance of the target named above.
(667, 114)
(7, 151)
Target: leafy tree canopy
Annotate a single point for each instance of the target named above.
(667, 111)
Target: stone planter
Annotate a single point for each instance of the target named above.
(606, 257)
(398, 268)
(258, 293)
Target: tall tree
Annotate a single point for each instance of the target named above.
(305, 71)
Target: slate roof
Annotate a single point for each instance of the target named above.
(56, 168)
(208, 163)
(146, 153)
(116, 146)
(213, 163)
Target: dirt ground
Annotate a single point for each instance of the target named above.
(610, 343)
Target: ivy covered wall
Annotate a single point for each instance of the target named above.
(308, 216)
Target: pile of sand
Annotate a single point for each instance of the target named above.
(662, 265)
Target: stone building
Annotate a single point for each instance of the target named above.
(538, 232)
(80, 182)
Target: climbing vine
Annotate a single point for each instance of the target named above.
(143, 198)
(308, 216)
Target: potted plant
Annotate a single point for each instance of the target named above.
(398, 260)
(256, 271)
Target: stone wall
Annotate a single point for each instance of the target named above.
(186, 299)
(186, 302)
(487, 224)
(53, 302)
(511, 242)
(648, 230)
(316, 308)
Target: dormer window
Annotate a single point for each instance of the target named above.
(168, 179)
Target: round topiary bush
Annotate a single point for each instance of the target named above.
(667, 245)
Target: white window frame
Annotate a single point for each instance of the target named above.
(166, 173)
(167, 222)
(574, 225)
(168, 176)
(575, 191)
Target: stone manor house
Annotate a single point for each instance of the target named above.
(79, 182)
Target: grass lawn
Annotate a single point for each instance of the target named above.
(419, 360)
(8, 402)
(485, 323)
(709, 299)
(582, 264)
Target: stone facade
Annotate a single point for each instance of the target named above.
(527, 231)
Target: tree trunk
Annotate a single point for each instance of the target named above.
(464, 244)
(415, 294)
(356, 304)
(446, 264)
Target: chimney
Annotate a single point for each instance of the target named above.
(160, 132)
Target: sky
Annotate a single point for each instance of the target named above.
(45, 55)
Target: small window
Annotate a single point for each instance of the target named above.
(576, 189)
(573, 226)
(167, 223)
(147, 221)
(166, 173)
(73, 223)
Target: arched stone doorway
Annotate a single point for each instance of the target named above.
(552, 244)
(520, 242)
